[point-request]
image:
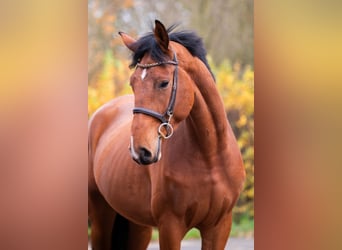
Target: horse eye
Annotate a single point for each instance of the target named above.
(163, 84)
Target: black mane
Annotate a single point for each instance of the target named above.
(189, 39)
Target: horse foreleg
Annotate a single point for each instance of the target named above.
(138, 237)
(171, 232)
(215, 238)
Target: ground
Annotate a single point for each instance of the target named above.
(233, 244)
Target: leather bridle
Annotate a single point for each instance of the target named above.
(164, 118)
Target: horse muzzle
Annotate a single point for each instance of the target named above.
(144, 156)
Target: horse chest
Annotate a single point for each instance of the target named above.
(196, 200)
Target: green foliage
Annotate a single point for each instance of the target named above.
(236, 86)
(245, 228)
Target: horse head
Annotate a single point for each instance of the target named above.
(163, 92)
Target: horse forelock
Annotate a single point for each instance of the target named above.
(147, 44)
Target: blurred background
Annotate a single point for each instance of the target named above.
(226, 27)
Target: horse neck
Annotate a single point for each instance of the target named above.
(207, 121)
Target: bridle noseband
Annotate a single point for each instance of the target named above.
(164, 118)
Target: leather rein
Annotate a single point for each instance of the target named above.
(164, 118)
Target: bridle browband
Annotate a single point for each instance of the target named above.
(164, 118)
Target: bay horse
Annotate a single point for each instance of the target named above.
(173, 163)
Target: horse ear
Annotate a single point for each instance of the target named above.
(161, 36)
(128, 41)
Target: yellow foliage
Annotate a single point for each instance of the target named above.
(112, 82)
(242, 121)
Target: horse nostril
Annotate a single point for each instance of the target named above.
(145, 153)
(145, 156)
